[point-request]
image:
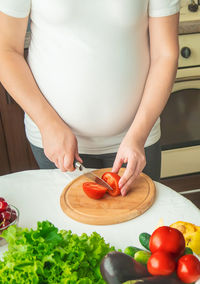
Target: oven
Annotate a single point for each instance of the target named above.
(180, 120)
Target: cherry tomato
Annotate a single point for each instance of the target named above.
(188, 269)
(167, 239)
(112, 179)
(161, 263)
(94, 190)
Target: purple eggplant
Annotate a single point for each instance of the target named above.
(155, 280)
(118, 267)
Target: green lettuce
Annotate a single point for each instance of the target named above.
(46, 255)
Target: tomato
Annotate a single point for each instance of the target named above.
(112, 179)
(161, 263)
(188, 269)
(167, 239)
(94, 190)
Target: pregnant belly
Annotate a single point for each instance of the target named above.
(95, 95)
(104, 110)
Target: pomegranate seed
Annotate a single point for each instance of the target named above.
(13, 216)
(5, 215)
(1, 218)
(3, 206)
(8, 209)
(4, 224)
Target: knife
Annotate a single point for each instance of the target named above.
(91, 175)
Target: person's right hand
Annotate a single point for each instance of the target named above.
(60, 145)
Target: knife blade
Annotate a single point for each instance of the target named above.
(91, 175)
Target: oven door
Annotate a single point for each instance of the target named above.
(180, 126)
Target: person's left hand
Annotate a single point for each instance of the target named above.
(132, 153)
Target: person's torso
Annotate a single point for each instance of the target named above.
(90, 59)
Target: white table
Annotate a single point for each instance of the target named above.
(37, 195)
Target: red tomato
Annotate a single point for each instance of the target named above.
(188, 269)
(112, 179)
(161, 263)
(94, 190)
(167, 239)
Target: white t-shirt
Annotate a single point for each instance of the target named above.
(90, 59)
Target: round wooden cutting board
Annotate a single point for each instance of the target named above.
(108, 210)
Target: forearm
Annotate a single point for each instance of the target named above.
(155, 95)
(18, 80)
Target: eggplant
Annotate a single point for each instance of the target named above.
(155, 280)
(118, 267)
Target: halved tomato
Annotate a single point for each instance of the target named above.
(94, 190)
(112, 179)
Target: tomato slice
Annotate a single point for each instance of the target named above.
(112, 179)
(94, 190)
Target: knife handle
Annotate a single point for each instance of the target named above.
(78, 165)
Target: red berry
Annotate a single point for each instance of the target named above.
(2, 199)
(3, 206)
(1, 219)
(8, 209)
(13, 215)
(4, 224)
(5, 215)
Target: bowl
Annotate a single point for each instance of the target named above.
(14, 222)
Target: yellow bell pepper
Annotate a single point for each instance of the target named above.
(191, 234)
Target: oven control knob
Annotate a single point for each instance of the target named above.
(193, 7)
(186, 52)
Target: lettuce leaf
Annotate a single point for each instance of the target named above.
(46, 255)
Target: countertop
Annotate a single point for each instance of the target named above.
(37, 194)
